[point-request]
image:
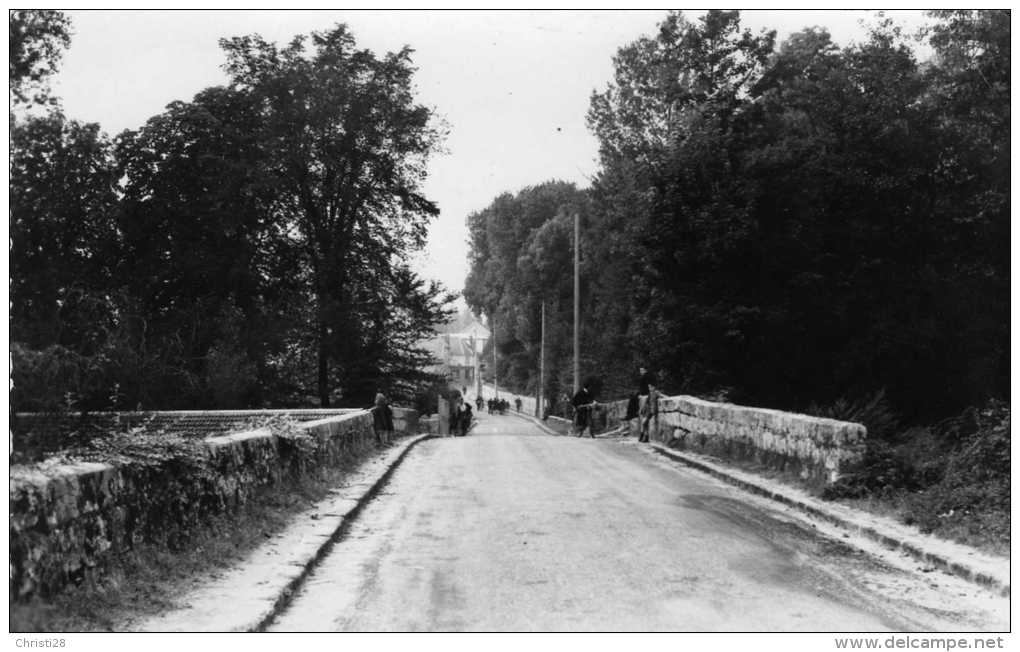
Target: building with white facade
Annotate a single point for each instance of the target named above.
(460, 354)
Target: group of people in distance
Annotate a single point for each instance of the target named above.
(642, 405)
(461, 413)
(498, 405)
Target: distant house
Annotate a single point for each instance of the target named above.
(460, 353)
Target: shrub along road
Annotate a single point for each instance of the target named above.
(510, 529)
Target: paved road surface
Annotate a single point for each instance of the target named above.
(510, 529)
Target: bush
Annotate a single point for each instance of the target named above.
(882, 472)
(52, 379)
(953, 477)
(873, 412)
(426, 400)
(972, 493)
(297, 446)
(721, 395)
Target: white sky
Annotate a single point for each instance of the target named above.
(514, 86)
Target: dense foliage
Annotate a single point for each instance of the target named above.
(951, 478)
(521, 257)
(246, 248)
(782, 225)
(37, 38)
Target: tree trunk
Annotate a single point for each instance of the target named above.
(323, 355)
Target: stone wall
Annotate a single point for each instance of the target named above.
(36, 436)
(68, 521)
(815, 449)
(429, 424)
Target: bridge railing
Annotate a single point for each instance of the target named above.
(816, 449)
(69, 519)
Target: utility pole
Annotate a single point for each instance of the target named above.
(477, 369)
(495, 381)
(541, 370)
(577, 301)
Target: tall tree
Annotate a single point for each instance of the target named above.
(63, 247)
(63, 228)
(811, 223)
(667, 126)
(203, 252)
(968, 99)
(521, 256)
(347, 144)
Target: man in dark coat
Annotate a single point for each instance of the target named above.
(382, 419)
(465, 419)
(646, 406)
(583, 403)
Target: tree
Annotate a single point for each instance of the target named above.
(667, 129)
(63, 227)
(521, 255)
(225, 252)
(662, 85)
(404, 312)
(203, 251)
(347, 146)
(37, 40)
(812, 223)
(968, 98)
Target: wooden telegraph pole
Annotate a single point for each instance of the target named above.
(541, 370)
(577, 301)
(495, 381)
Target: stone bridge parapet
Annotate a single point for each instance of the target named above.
(69, 520)
(818, 450)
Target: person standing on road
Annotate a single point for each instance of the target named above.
(517, 402)
(646, 391)
(382, 419)
(583, 403)
(465, 419)
(479, 402)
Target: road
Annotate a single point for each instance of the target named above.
(511, 529)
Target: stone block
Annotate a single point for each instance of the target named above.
(817, 449)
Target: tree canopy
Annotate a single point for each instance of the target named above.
(346, 147)
(789, 225)
(244, 248)
(785, 224)
(38, 38)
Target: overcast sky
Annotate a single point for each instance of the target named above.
(513, 86)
